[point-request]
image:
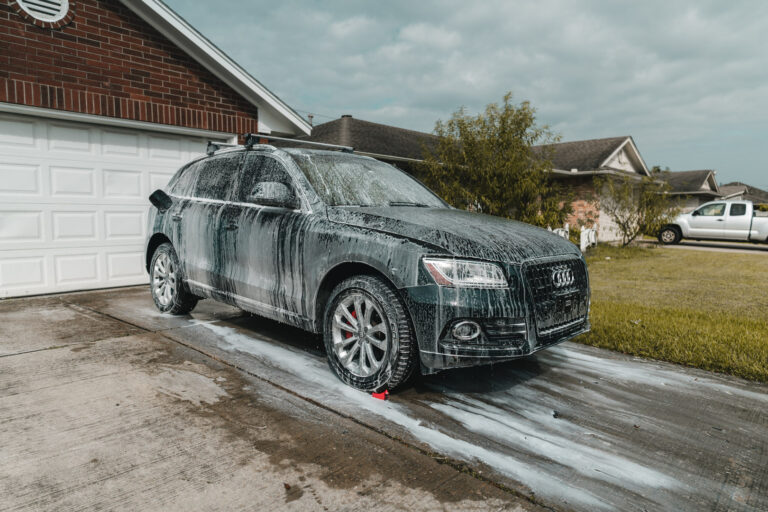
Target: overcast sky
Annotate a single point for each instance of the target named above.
(688, 80)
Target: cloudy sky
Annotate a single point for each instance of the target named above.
(688, 80)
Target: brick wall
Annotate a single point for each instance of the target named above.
(585, 210)
(107, 61)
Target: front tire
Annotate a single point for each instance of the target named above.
(368, 335)
(670, 235)
(169, 291)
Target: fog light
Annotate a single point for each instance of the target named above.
(466, 330)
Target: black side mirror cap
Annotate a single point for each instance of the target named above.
(161, 200)
(270, 193)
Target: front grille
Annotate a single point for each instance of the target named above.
(560, 296)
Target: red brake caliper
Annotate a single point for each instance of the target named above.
(348, 334)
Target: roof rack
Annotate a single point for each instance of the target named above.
(254, 138)
(215, 146)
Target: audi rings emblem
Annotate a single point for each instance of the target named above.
(562, 277)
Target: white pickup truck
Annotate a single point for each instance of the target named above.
(718, 220)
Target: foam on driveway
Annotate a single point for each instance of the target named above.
(574, 426)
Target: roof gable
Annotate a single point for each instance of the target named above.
(274, 114)
(693, 182)
(613, 153)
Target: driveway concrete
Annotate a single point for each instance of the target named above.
(571, 428)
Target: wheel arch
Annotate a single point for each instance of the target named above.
(156, 241)
(336, 275)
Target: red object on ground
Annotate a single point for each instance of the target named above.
(381, 396)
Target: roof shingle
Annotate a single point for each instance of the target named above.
(584, 155)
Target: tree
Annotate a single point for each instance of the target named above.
(486, 163)
(636, 206)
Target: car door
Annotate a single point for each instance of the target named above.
(266, 270)
(708, 221)
(737, 222)
(199, 221)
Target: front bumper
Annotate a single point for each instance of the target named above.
(434, 309)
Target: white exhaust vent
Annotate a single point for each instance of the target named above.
(45, 10)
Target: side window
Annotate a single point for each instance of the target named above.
(217, 176)
(712, 210)
(738, 209)
(258, 169)
(184, 184)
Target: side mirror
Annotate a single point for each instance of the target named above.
(161, 200)
(272, 193)
(695, 213)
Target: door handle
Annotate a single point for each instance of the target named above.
(176, 217)
(720, 220)
(230, 226)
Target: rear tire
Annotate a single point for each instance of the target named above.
(169, 290)
(368, 335)
(670, 235)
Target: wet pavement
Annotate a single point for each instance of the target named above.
(573, 427)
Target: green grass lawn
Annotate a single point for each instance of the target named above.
(697, 308)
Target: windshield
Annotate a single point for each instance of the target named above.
(345, 180)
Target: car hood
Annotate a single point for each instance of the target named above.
(459, 232)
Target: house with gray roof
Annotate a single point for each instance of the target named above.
(746, 192)
(690, 189)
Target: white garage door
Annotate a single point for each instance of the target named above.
(73, 202)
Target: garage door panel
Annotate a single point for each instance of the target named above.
(70, 138)
(69, 226)
(124, 225)
(16, 132)
(17, 272)
(122, 184)
(121, 144)
(126, 265)
(76, 268)
(73, 181)
(20, 179)
(21, 226)
(73, 202)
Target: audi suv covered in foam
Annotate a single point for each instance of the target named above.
(394, 279)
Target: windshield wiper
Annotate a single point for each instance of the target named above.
(408, 203)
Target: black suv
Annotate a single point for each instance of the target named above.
(348, 246)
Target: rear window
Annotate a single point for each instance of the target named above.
(738, 210)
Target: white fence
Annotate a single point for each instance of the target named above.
(588, 236)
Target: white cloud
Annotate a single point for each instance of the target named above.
(681, 77)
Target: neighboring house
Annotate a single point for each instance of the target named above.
(691, 189)
(735, 192)
(750, 193)
(101, 101)
(397, 146)
(577, 163)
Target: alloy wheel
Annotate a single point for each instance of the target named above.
(164, 279)
(361, 337)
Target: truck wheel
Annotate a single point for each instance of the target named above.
(368, 335)
(669, 235)
(169, 291)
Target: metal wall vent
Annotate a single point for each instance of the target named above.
(45, 10)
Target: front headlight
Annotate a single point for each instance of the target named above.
(465, 273)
